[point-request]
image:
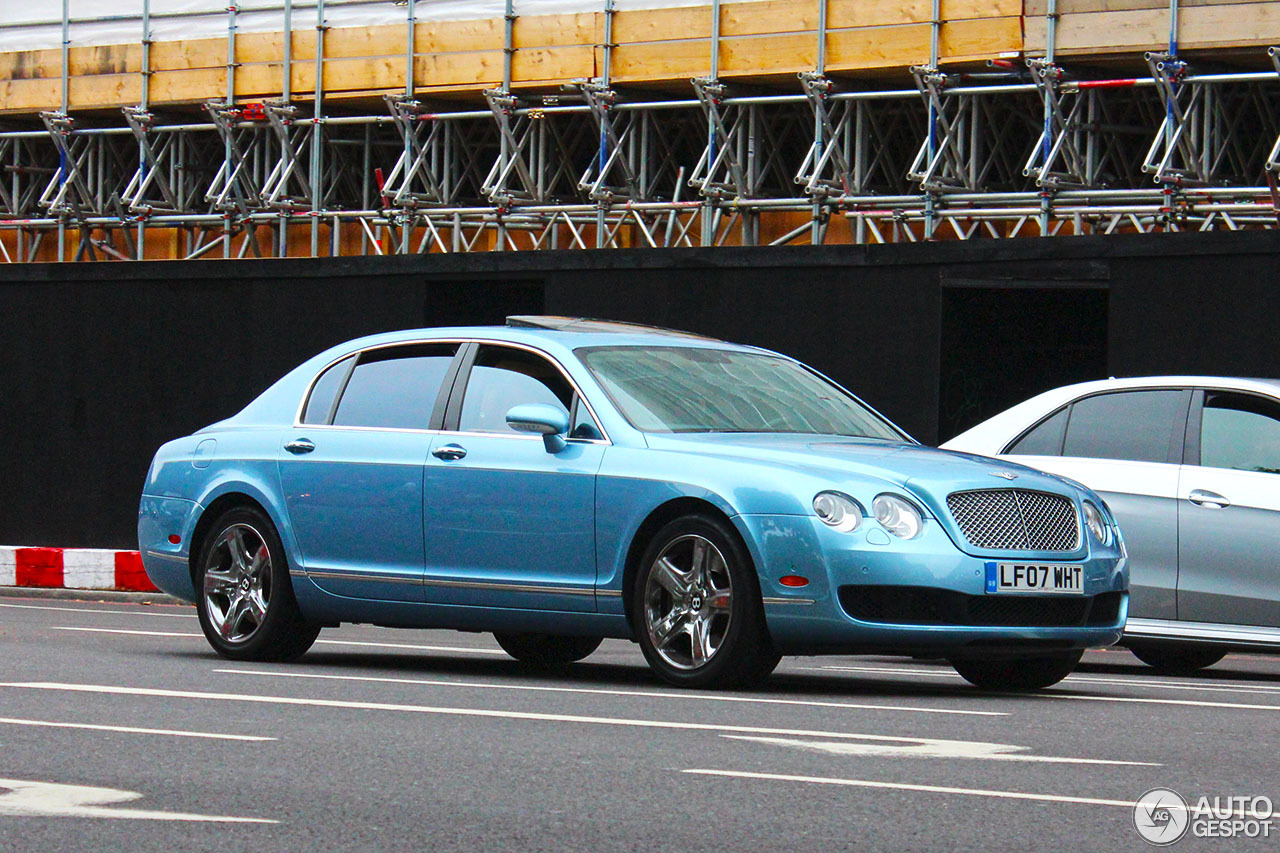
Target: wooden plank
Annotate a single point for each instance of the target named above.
(661, 61)
(555, 30)
(1218, 26)
(980, 38)
(559, 63)
(448, 36)
(649, 25)
(1070, 7)
(878, 47)
(27, 96)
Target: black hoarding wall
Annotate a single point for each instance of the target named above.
(103, 362)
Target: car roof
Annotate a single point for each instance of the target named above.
(558, 333)
(1269, 386)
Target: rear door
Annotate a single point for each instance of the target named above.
(1125, 445)
(1229, 511)
(352, 470)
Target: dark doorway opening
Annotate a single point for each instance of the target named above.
(480, 302)
(1003, 343)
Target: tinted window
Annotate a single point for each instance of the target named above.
(1240, 431)
(1045, 439)
(696, 389)
(501, 378)
(395, 387)
(1134, 425)
(325, 391)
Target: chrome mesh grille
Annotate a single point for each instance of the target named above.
(1016, 520)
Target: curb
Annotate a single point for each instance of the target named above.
(107, 596)
(73, 568)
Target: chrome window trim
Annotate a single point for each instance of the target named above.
(558, 366)
(302, 404)
(306, 395)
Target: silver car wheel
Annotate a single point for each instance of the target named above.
(687, 602)
(237, 583)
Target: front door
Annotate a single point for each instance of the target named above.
(509, 524)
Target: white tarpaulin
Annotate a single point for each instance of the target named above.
(38, 25)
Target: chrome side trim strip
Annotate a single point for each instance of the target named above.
(1166, 629)
(171, 557)
(357, 576)
(789, 601)
(609, 593)
(510, 587)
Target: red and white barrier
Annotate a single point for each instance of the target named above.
(73, 568)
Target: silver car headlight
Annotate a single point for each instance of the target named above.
(838, 511)
(1097, 524)
(897, 515)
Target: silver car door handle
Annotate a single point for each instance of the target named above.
(1207, 499)
(299, 446)
(449, 452)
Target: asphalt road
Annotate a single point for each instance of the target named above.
(432, 740)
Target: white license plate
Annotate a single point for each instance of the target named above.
(1035, 577)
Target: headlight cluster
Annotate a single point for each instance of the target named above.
(1097, 524)
(843, 513)
(897, 516)
(839, 511)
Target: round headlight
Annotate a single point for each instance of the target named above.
(837, 510)
(898, 516)
(1097, 525)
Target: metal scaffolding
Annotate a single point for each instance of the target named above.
(1017, 149)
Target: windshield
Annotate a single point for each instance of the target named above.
(692, 389)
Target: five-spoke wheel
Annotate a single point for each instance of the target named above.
(246, 604)
(696, 607)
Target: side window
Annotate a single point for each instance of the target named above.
(502, 377)
(395, 387)
(1132, 425)
(581, 424)
(1240, 431)
(325, 392)
(1045, 439)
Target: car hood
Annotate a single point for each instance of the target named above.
(910, 466)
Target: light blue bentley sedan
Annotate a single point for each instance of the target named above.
(558, 480)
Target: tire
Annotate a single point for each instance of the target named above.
(243, 593)
(547, 650)
(1177, 659)
(1027, 673)
(696, 608)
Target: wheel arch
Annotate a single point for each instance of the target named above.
(659, 517)
(224, 502)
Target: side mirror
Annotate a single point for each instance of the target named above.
(547, 421)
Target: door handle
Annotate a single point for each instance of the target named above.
(299, 446)
(1208, 499)
(449, 452)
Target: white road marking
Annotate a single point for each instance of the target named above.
(49, 799)
(1075, 678)
(935, 748)
(459, 712)
(128, 631)
(1139, 700)
(129, 729)
(189, 635)
(138, 612)
(944, 789)
(599, 692)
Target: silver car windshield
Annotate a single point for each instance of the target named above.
(694, 389)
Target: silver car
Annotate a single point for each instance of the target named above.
(1190, 466)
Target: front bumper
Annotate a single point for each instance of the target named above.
(943, 594)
